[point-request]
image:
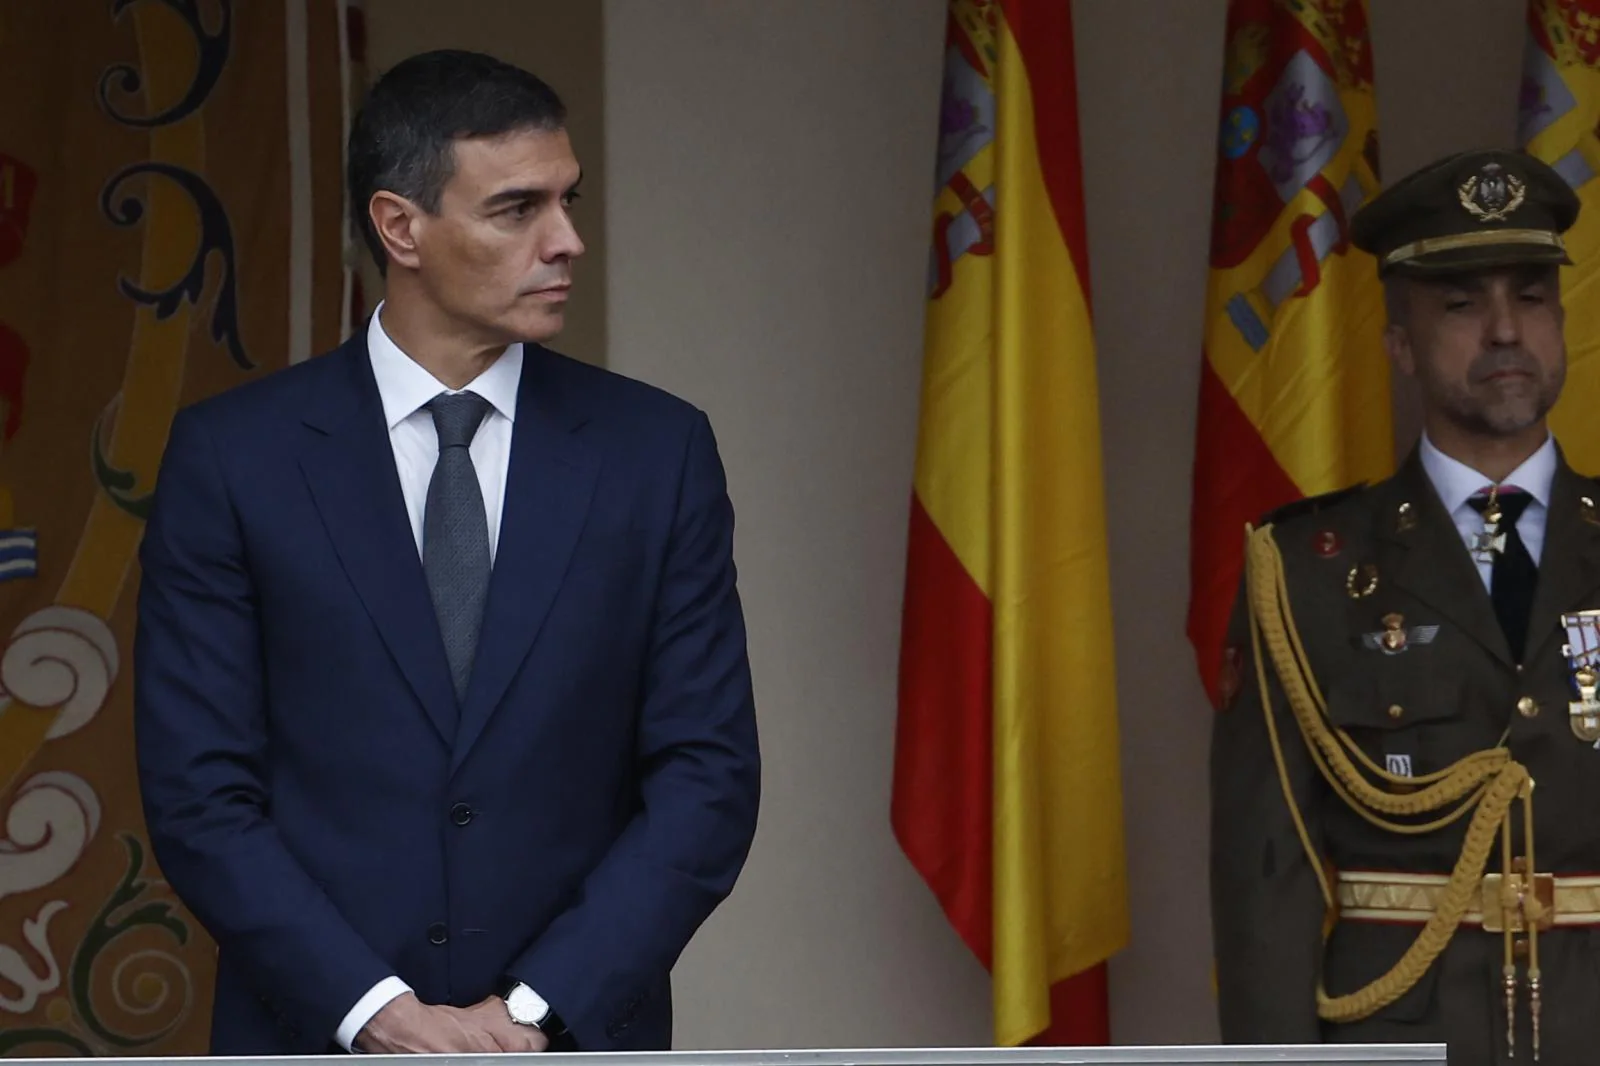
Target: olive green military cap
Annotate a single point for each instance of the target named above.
(1470, 211)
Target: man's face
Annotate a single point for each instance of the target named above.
(497, 256)
(1486, 348)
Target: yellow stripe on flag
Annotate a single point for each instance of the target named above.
(1060, 885)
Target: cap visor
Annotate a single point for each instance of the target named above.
(1484, 257)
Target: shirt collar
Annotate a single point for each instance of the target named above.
(404, 386)
(1456, 482)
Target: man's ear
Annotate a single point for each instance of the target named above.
(395, 219)
(1397, 342)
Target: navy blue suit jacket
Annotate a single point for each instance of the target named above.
(304, 793)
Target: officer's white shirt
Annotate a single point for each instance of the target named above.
(1456, 483)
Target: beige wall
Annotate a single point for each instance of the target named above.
(767, 175)
(562, 43)
(768, 190)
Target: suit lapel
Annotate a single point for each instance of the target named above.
(348, 463)
(549, 483)
(1428, 559)
(1569, 564)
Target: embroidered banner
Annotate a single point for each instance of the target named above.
(1294, 394)
(171, 224)
(1007, 794)
(1558, 120)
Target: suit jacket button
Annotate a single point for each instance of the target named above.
(437, 933)
(461, 814)
(1528, 707)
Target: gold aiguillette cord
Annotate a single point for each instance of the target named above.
(1533, 914)
(1519, 898)
(1508, 972)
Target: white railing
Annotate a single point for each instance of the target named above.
(1323, 1055)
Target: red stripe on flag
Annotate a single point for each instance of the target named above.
(1080, 1011)
(1043, 32)
(942, 804)
(1237, 480)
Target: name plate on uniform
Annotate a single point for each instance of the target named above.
(1582, 650)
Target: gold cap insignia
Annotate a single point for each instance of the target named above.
(1492, 193)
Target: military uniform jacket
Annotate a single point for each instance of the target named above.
(1450, 692)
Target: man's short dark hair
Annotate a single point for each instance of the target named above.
(403, 139)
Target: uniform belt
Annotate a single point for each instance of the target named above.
(1412, 899)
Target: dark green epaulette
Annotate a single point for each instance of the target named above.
(1309, 505)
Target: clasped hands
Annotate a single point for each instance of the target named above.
(406, 1025)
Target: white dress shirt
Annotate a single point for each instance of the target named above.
(404, 387)
(1456, 483)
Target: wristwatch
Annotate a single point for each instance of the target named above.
(527, 1007)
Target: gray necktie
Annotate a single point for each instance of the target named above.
(455, 533)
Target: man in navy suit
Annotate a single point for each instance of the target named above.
(444, 716)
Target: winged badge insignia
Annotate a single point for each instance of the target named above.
(1396, 640)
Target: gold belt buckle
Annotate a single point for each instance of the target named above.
(1496, 919)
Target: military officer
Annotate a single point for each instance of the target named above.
(1399, 678)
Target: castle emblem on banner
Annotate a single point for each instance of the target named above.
(1297, 154)
(966, 132)
(1563, 35)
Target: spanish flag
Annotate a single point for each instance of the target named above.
(1294, 384)
(1007, 793)
(1557, 115)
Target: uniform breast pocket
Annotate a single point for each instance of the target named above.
(1409, 722)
